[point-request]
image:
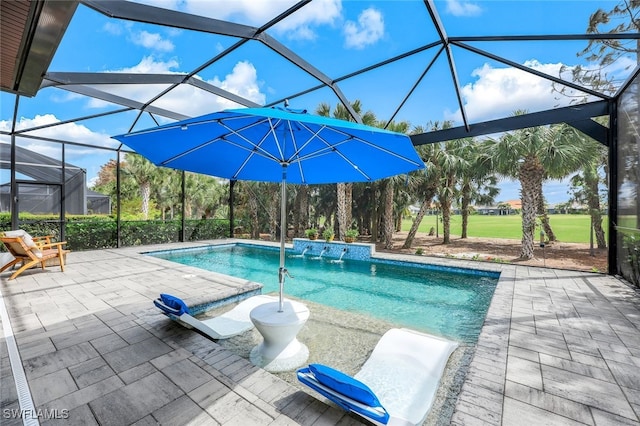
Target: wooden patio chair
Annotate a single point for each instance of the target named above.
(31, 253)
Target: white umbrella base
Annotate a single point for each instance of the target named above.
(280, 349)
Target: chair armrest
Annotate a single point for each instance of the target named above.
(50, 245)
(42, 240)
(42, 237)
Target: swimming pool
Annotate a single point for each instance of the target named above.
(442, 301)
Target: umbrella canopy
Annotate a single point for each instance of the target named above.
(277, 145)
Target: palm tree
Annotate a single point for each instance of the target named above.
(585, 188)
(342, 113)
(203, 195)
(344, 190)
(529, 155)
(425, 182)
(364, 205)
(301, 210)
(326, 204)
(543, 216)
(143, 171)
(477, 182)
(258, 203)
(388, 186)
(403, 199)
(166, 190)
(451, 164)
(250, 190)
(273, 207)
(447, 163)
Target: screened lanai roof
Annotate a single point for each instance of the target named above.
(34, 166)
(117, 66)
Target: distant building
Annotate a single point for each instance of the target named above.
(38, 191)
(501, 209)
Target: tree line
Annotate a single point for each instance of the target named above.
(461, 173)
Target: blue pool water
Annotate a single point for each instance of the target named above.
(434, 300)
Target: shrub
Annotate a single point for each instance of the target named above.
(100, 231)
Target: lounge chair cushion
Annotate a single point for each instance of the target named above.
(174, 303)
(26, 238)
(403, 372)
(344, 384)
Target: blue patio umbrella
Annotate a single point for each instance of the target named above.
(277, 145)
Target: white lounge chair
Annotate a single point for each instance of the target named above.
(395, 386)
(231, 323)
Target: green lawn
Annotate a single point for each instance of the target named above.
(569, 228)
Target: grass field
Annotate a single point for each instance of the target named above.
(569, 228)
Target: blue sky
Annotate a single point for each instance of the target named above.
(338, 37)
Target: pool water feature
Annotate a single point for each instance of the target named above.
(442, 301)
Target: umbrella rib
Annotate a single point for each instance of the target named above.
(328, 150)
(390, 152)
(170, 127)
(256, 146)
(187, 152)
(350, 136)
(258, 150)
(272, 130)
(210, 141)
(248, 158)
(313, 135)
(341, 155)
(297, 151)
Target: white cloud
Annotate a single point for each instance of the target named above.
(152, 41)
(148, 65)
(498, 92)
(165, 4)
(248, 12)
(301, 24)
(112, 28)
(72, 132)
(368, 30)
(92, 182)
(463, 8)
(187, 100)
(242, 81)
(621, 68)
(138, 92)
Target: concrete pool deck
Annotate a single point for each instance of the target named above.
(557, 347)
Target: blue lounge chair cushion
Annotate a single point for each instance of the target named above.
(344, 384)
(172, 305)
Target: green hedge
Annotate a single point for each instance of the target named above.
(98, 232)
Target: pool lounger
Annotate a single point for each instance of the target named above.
(231, 323)
(397, 383)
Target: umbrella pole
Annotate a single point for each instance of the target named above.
(283, 229)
